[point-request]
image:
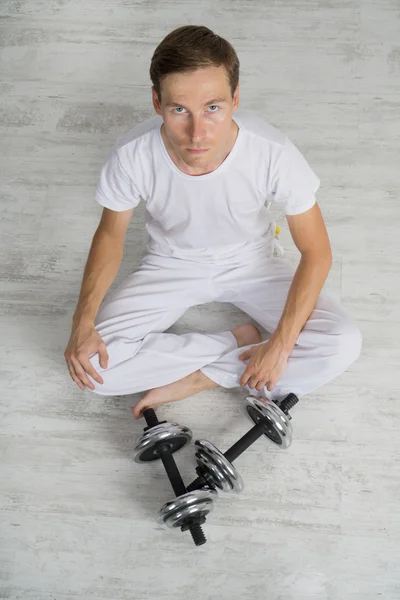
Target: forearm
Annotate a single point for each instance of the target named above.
(306, 286)
(102, 266)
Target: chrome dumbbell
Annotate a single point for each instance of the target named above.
(189, 510)
(160, 439)
(215, 469)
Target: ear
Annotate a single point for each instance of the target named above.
(236, 96)
(156, 102)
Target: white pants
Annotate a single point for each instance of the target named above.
(132, 320)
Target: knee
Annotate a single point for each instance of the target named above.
(107, 374)
(103, 389)
(119, 367)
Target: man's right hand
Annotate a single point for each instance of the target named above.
(85, 341)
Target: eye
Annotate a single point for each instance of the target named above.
(212, 106)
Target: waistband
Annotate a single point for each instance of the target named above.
(212, 256)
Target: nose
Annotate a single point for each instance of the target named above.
(197, 132)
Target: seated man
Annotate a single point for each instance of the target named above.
(205, 169)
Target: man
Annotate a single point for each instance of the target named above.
(211, 239)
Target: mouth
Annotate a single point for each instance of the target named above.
(195, 151)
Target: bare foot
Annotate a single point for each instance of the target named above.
(195, 382)
(178, 390)
(247, 334)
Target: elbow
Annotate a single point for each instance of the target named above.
(321, 257)
(328, 258)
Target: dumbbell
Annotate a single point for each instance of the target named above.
(189, 510)
(215, 469)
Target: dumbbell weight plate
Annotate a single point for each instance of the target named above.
(278, 428)
(215, 466)
(181, 510)
(172, 435)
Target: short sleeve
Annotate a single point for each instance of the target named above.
(115, 189)
(294, 183)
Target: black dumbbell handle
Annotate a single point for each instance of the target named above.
(174, 476)
(167, 458)
(257, 431)
(231, 454)
(245, 441)
(172, 470)
(151, 417)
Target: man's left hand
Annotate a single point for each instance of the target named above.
(267, 363)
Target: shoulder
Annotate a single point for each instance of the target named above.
(133, 149)
(142, 131)
(256, 126)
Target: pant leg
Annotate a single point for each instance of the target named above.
(328, 344)
(131, 322)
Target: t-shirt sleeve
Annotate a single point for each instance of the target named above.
(294, 183)
(115, 189)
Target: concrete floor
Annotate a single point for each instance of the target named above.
(318, 521)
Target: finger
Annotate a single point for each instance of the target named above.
(245, 377)
(247, 353)
(89, 368)
(74, 376)
(261, 385)
(81, 373)
(77, 381)
(262, 380)
(258, 382)
(252, 382)
(103, 356)
(271, 385)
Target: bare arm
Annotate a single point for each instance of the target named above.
(102, 266)
(268, 360)
(310, 236)
(103, 263)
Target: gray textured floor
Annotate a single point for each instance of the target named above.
(318, 521)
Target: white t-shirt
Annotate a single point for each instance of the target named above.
(218, 214)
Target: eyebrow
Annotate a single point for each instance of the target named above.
(213, 101)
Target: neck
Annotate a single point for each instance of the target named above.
(205, 169)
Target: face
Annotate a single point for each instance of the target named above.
(197, 111)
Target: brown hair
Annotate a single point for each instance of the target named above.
(189, 48)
